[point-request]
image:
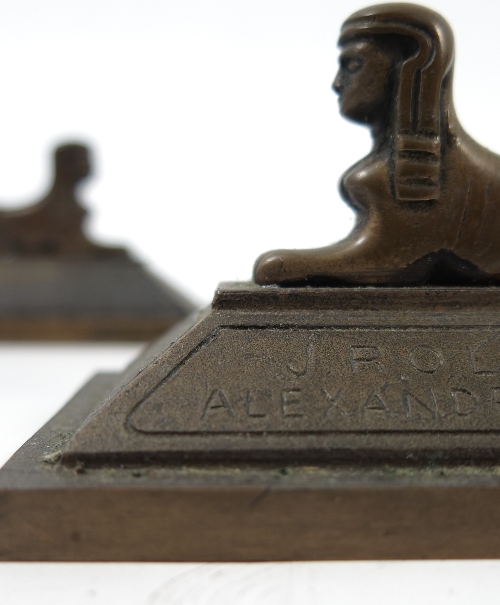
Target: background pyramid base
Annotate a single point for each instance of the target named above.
(83, 328)
(49, 512)
(85, 300)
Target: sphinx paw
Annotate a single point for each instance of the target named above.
(270, 269)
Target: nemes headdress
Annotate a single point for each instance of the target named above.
(418, 135)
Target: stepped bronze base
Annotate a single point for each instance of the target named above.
(289, 494)
(85, 300)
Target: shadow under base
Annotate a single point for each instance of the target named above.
(312, 478)
(85, 300)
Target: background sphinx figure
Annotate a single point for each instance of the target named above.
(427, 194)
(53, 226)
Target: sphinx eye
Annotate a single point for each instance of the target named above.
(352, 65)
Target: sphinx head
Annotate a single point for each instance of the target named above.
(368, 75)
(395, 68)
(72, 162)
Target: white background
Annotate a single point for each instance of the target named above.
(216, 137)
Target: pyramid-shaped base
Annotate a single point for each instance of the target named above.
(312, 375)
(116, 299)
(279, 425)
(237, 512)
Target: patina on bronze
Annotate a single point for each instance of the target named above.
(427, 194)
(309, 422)
(57, 284)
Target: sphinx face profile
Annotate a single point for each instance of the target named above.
(363, 81)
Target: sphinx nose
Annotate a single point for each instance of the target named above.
(337, 84)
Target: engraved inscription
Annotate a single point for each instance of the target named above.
(365, 355)
(374, 402)
(291, 403)
(425, 359)
(255, 409)
(338, 403)
(495, 395)
(465, 401)
(307, 362)
(329, 380)
(217, 402)
(482, 358)
(419, 408)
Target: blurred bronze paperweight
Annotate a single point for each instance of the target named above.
(56, 284)
(347, 405)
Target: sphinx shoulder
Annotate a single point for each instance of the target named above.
(368, 181)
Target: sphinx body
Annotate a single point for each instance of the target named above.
(428, 195)
(53, 227)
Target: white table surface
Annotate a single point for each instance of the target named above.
(36, 380)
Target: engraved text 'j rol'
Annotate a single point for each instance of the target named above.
(331, 379)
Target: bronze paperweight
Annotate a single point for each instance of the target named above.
(347, 405)
(55, 284)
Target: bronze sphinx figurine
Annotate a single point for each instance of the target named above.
(57, 284)
(53, 226)
(427, 196)
(309, 423)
